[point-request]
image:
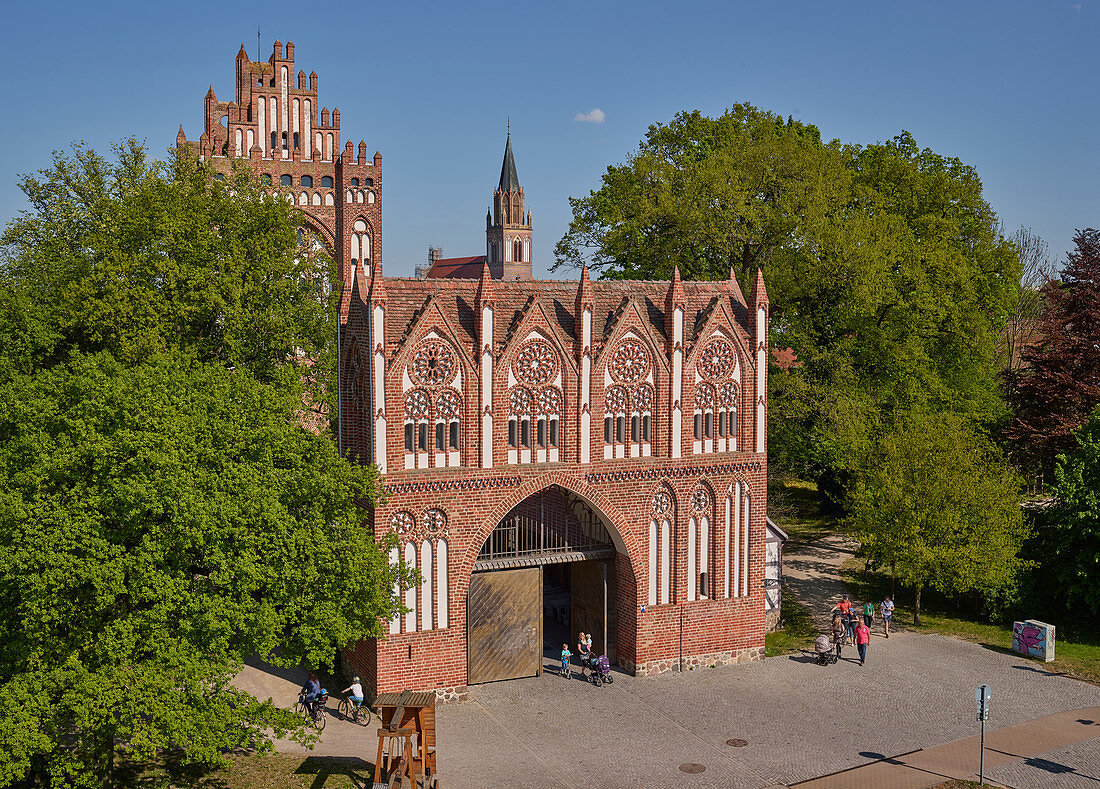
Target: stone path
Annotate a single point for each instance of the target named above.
(1035, 753)
(811, 573)
(800, 720)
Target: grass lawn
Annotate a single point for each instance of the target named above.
(798, 630)
(271, 771)
(1076, 659)
(282, 771)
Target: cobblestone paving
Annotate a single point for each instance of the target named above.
(1075, 767)
(801, 720)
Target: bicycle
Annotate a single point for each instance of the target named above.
(350, 711)
(318, 716)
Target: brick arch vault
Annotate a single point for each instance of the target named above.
(626, 537)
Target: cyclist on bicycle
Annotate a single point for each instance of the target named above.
(310, 692)
(356, 691)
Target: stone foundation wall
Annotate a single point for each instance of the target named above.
(450, 695)
(691, 662)
(771, 621)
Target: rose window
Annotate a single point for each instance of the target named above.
(416, 404)
(700, 500)
(447, 404)
(536, 363)
(433, 364)
(662, 502)
(643, 398)
(704, 397)
(630, 362)
(519, 401)
(717, 360)
(727, 395)
(549, 401)
(435, 521)
(403, 523)
(615, 399)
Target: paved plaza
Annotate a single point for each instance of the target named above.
(800, 721)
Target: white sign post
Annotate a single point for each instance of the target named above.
(981, 696)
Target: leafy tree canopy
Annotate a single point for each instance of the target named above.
(887, 276)
(1071, 537)
(937, 503)
(163, 512)
(1058, 385)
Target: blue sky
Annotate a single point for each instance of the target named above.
(1009, 87)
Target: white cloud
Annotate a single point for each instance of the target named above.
(594, 115)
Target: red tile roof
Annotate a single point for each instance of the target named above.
(406, 300)
(462, 268)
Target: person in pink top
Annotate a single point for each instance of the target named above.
(863, 635)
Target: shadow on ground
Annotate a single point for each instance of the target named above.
(358, 771)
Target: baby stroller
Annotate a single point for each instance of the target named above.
(825, 650)
(600, 671)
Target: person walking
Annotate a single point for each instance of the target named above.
(868, 613)
(583, 652)
(863, 635)
(838, 634)
(565, 655)
(850, 626)
(887, 608)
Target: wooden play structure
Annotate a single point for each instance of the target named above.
(406, 740)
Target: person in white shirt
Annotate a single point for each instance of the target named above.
(356, 691)
(887, 609)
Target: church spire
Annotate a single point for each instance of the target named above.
(509, 180)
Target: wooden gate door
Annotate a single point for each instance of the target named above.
(504, 625)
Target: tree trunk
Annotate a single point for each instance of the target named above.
(916, 608)
(893, 578)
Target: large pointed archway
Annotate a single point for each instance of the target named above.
(545, 572)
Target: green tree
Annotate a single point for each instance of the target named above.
(888, 278)
(1070, 539)
(936, 502)
(164, 514)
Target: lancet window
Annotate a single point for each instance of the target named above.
(660, 547)
(433, 409)
(628, 402)
(716, 398)
(424, 542)
(535, 405)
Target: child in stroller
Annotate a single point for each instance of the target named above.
(601, 671)
(823, 647)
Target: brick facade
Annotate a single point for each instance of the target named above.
(437, 351)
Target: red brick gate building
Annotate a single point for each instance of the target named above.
(561, 456)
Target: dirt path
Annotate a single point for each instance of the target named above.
(812, 572)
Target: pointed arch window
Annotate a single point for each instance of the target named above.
(535, 404)
(433, 429)
(628, 403)
(360, 245)
(660, 548)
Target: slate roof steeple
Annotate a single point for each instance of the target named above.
(509, 180)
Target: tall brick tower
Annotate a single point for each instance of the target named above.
(507, 228)
(277, 128)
